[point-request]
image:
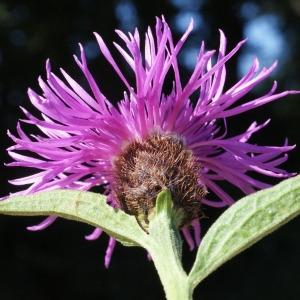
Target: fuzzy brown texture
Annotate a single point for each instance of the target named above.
(147, 167)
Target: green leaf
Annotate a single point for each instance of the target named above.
(243, 224)
(163, 240)
(87, 207)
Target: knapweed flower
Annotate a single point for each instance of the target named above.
(152, 140)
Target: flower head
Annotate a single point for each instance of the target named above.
(151, 140)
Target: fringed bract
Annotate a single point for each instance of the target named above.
(147, 167)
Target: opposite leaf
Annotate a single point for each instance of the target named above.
(87, 207)
(244, 223)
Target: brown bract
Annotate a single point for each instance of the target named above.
(147, 167)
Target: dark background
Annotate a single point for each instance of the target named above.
(58, 262)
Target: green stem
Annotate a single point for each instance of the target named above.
(164, 245)
(170, 271)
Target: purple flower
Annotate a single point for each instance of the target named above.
(84, 135)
